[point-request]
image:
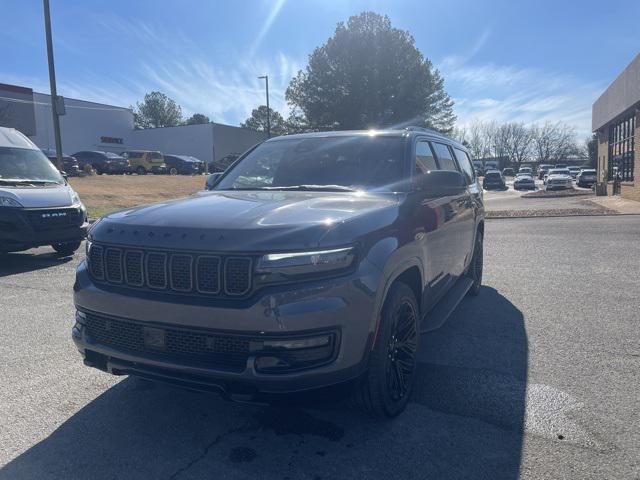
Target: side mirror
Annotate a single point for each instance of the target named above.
(212, 180)
(64, 175)
(441, 183)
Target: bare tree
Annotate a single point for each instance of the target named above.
(519, 140)
(553, 142)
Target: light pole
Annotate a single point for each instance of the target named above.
(266, 79)
(52, 82)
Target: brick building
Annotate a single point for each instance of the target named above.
(616, 122)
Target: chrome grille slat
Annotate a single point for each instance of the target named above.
(237, 275)
(133, 271)
(96, 261)
(180, 272)
(208, 274)
(113, 265)
(185, 273)
(156, 270)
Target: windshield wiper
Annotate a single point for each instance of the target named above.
(301, 188)
(21, 181)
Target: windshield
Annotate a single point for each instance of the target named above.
(493, 175)
(112, 155)
(353, 162)
(22, 164)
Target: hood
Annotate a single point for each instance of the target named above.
(40, 197)
(246, 220)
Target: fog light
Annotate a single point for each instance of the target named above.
(291, 344)
(80, 317)
(271, 363)
(290, 354)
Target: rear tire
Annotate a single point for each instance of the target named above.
(141, 171)
(474, 271)
(385, 388)
(66, 249)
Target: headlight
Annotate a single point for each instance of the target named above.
(75, 199)
(306, 263)
(9, 202)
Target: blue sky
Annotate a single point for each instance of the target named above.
(502, 60)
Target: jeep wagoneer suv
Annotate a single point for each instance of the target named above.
(315, 260)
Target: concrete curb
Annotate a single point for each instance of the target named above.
(616, 214)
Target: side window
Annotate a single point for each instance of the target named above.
(156, 156)
(465, 163)
(425, 160)
(445, 159)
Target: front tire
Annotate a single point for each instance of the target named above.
(385, 388)
(173, 171)
(474, 271)
(141, 171)
(66, 249)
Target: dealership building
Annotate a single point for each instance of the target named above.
(96, 126)
(616, 122)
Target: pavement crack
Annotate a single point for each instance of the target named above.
(209, 446)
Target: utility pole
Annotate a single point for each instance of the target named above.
(52, 82)
(266, 79)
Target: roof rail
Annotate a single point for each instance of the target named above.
(413, 128)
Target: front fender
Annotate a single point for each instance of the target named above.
(392, 260)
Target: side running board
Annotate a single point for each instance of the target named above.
(436, 317)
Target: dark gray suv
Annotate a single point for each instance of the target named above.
(316, 260)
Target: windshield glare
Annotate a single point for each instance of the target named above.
(26, 164)
(357, 162)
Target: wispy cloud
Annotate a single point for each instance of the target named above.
(182, 69)
(488, 91)
(273, 14)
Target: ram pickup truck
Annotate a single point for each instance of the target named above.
(315, 260)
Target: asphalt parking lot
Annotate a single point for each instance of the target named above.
(511, 199)
(537, 377)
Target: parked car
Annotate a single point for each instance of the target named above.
(102, 162)
(183, 165)
(224, 163)
(586, 177)
(507, 172)
(37, 205)
(524, 181)
(559, 178)
(69, 164)
(301, 269)
(145, 161)
(493, 179)
(525, 170)
(573, 171)
(543, 170)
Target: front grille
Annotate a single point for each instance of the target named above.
(48, 219)
(183, 345)
(186, 273)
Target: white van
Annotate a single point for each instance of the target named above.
(37, 205)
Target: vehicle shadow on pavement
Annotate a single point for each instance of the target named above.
(22, 262)
(465, 421)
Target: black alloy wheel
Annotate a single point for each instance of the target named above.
(66, 249)
(474, 271)
(401, 352)
(384, 390)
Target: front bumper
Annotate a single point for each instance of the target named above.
(24, 228)
(341, 306)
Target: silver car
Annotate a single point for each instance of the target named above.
(559, 179)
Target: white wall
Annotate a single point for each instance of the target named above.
(194, 140)
(202, 141)
(228, 139)
(83, 125)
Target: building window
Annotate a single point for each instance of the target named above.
(621, 147)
